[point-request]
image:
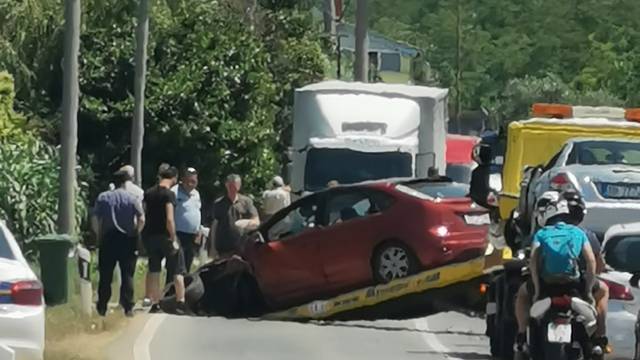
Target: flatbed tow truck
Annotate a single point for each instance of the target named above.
(459, 287)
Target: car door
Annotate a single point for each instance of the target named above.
(286, 264)
(351, 229)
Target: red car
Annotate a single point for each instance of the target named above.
(350, 237)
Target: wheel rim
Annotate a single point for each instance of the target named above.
(394, 263)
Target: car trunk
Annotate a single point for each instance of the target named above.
(467, 227)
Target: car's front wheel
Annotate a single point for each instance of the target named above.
(393, 261)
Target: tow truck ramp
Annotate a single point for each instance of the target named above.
(421, 292)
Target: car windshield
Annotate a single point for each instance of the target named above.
(460, 173)
(349, 167)
(606, 153)
(5, 249)
(442, 190)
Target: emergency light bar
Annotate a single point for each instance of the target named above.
(560, 111)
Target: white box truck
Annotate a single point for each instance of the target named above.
(353, 132)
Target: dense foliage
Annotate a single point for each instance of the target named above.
(29, 170)
(218, 97)
(511, 49)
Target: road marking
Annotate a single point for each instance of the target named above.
(432, 339)
(143, 341)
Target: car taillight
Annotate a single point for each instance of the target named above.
(439, 231)
(618, 291)
(561, 182)
(561, 302)
(27, 292)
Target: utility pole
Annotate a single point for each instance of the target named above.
(458, 66)
(69, 132)
(137, 126)
(362, 41)
(329, 15)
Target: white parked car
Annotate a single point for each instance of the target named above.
(621, 248)
(21, 304)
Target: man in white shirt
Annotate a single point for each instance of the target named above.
(188, 216)
(275, 199)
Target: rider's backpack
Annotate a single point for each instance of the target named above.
(560, 250)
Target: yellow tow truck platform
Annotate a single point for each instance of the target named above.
(458, 286)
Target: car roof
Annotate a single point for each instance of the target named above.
(590, 139)
(385, 183)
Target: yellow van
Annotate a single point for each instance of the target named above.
(534, 142)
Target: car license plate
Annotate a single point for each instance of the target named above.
(483, 219)
(622, 191)
(559, 333)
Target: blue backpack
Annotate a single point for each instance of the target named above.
(560, 250)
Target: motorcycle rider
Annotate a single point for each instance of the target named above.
(578, 210)
(555, 252)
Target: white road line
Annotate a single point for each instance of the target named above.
(431, 339)
(143, 341)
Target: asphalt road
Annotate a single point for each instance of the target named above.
(167, 337)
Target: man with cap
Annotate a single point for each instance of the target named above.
(117, 221)
(129, 185)
(129, 173)
(275, 199)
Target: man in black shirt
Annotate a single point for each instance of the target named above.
(160, 238)
(225, 234)
(479, 187)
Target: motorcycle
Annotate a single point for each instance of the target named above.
(562, 327)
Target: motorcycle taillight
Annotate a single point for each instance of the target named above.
(561, 302)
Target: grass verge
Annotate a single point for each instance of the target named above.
(71, 335)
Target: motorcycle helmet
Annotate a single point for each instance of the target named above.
(542, 203)
(577, 207)
(555, 210)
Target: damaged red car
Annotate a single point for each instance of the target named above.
(350, 237)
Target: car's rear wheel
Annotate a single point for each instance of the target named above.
(393, 261)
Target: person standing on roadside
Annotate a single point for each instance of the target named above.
(225, 235)
(275, 199)
(161, 240)
(117, 220)
(129, 185)
(188, 216)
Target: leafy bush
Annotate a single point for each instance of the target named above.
(29, 170)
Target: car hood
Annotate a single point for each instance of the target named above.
(14, 270)
(606, 173)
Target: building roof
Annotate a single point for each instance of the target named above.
(377, 42)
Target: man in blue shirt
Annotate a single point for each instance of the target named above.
(117, 221)
(188, 217)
